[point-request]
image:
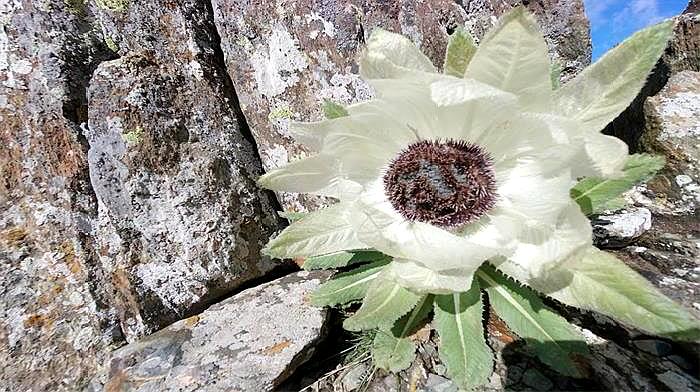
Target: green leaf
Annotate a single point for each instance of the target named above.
(599, 281)
(603, 90)
(594, 194)
(393, 350)
(292, 216)
(343, 259)
(513, 57)
(320, 232)
(460, 50)
(555, 75)
(385, 302)
(462, 348)
(551, 337)
(333, 110)
(348, 286)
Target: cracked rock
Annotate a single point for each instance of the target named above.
(181, 221)
(621, 227)
(249, 342)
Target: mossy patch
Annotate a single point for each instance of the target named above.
(283, 112)
(133, 137)
(76, 7)
(112, 5)
(111, 44)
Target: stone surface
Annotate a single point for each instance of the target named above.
(673, 130)
(249, 342)
(73, 276)
(620, 228)
(286, 59)
(55, 322)
(181, 220)
(682, 54)
(668, 254)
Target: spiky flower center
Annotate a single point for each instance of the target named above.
(446, 183)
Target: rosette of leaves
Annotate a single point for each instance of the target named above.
(475, 182)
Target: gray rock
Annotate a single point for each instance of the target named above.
(353, 378)
(682, 54)
(537, 380)
(621, 227)
(284, 61)
(673, 129)
(56, 323)
(249, 342)
(436, 383)
(653, 346)
(181, 221)
(67, 286)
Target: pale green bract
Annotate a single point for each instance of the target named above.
(542, 138)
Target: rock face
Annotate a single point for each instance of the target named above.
(682, 54)
(668, 254)
(172, 218)
(249, 342)
(285, 60)
(56, 321)
(673, 129)
(181, 221)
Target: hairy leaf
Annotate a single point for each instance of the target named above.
(460, 50)
(603, 90)
(343, 259)
(513, 57)
(555, 75)
(552, 338)
(292, 216)
(593, 194)
(463, 349)
(393, 350)
(348, 286)
(600, 282)
(320, 232)
(385, 302)
(333, 110)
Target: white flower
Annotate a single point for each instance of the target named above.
(444, 173)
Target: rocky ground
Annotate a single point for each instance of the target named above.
(131, 224)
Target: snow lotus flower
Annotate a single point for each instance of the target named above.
(443, 172)
(447, 182)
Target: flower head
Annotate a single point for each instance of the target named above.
(443, 173)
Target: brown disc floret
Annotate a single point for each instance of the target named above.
(444, 183)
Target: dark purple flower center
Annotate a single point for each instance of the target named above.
(442, 183)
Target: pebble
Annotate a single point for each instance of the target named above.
(435, 383)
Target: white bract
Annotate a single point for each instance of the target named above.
(537, 143)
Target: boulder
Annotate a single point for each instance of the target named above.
(181, 221)
(286, 60)
(249, 342)
(682, 54)
(159, 219)
(54, 298)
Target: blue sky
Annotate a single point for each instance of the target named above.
(614, 20)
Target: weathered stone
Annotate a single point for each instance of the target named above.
(249, 342)
(55, 322)
(285, 60)
(673, 130)
(620, 228)
(181, 220)
(682, 54)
